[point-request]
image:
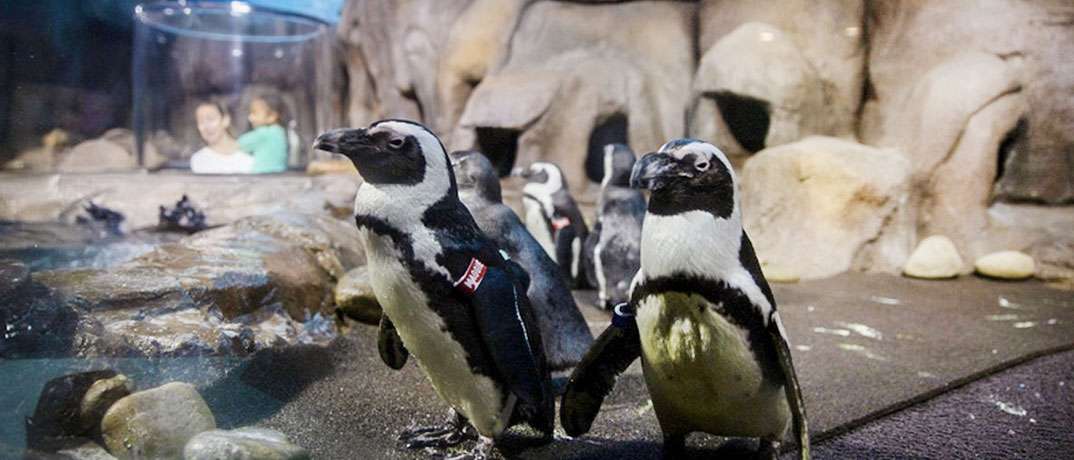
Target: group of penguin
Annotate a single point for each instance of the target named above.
(605, 258)
(483, 303)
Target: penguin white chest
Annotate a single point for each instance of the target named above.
(701, 372)
(425, 335)
(535, 223)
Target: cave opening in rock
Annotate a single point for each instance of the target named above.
(612, 130)
(500, 145)
(1007, 147)
(746, 117)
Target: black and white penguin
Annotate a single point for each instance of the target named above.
(564, 332)
(449, 296)
(614, 243)
(701, 316)
(552, 216)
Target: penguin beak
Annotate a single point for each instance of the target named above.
(521, 172)
(652, 171)
(341, 140)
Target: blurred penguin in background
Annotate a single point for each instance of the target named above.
(564, 332)
(614, 244)
(553, 218)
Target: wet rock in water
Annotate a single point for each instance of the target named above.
(935, 258)
(156, 423)
(1010, 265)
(87, 451)
(819, 206)
(242, 444)
(261, 282)
(99, 398)
(14, 280)
(57, 420)
(355, 298)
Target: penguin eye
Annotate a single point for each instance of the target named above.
(396, 143)
(702, 166)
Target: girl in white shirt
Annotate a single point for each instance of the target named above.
(221, 154)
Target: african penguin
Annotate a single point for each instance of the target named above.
(449, 295)
(701, 316)
(553, 218)
(564, 332)
(613, 245)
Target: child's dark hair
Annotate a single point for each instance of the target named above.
(275, 102)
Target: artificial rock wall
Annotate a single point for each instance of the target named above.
(976, 98)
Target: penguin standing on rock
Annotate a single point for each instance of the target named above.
(449, 296)
(613, 245)
(553, 218)
(701, 316)
(564, 332)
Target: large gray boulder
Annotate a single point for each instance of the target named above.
(821, 206)
(243, 444)
(156, 423)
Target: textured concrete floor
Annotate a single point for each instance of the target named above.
(884, 364)
(865, 346)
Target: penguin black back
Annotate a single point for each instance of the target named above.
(564, 332)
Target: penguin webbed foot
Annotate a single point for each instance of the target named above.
(766, 450)
(481, 451)
(452, 433)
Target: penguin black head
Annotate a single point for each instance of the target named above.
(392, 152)
(618, 163)
(687, 175)
(475, 173)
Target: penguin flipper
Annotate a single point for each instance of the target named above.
(505, 321)
(390, 346)
(594, 377)
(589, 247)
(793, 390)
(564, 252)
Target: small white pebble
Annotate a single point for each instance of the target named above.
(994, 351)
(1010, 432)
(973, 417)
(810, 308)
(1033, 421)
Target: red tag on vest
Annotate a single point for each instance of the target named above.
(560, 223)
(470, 280)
